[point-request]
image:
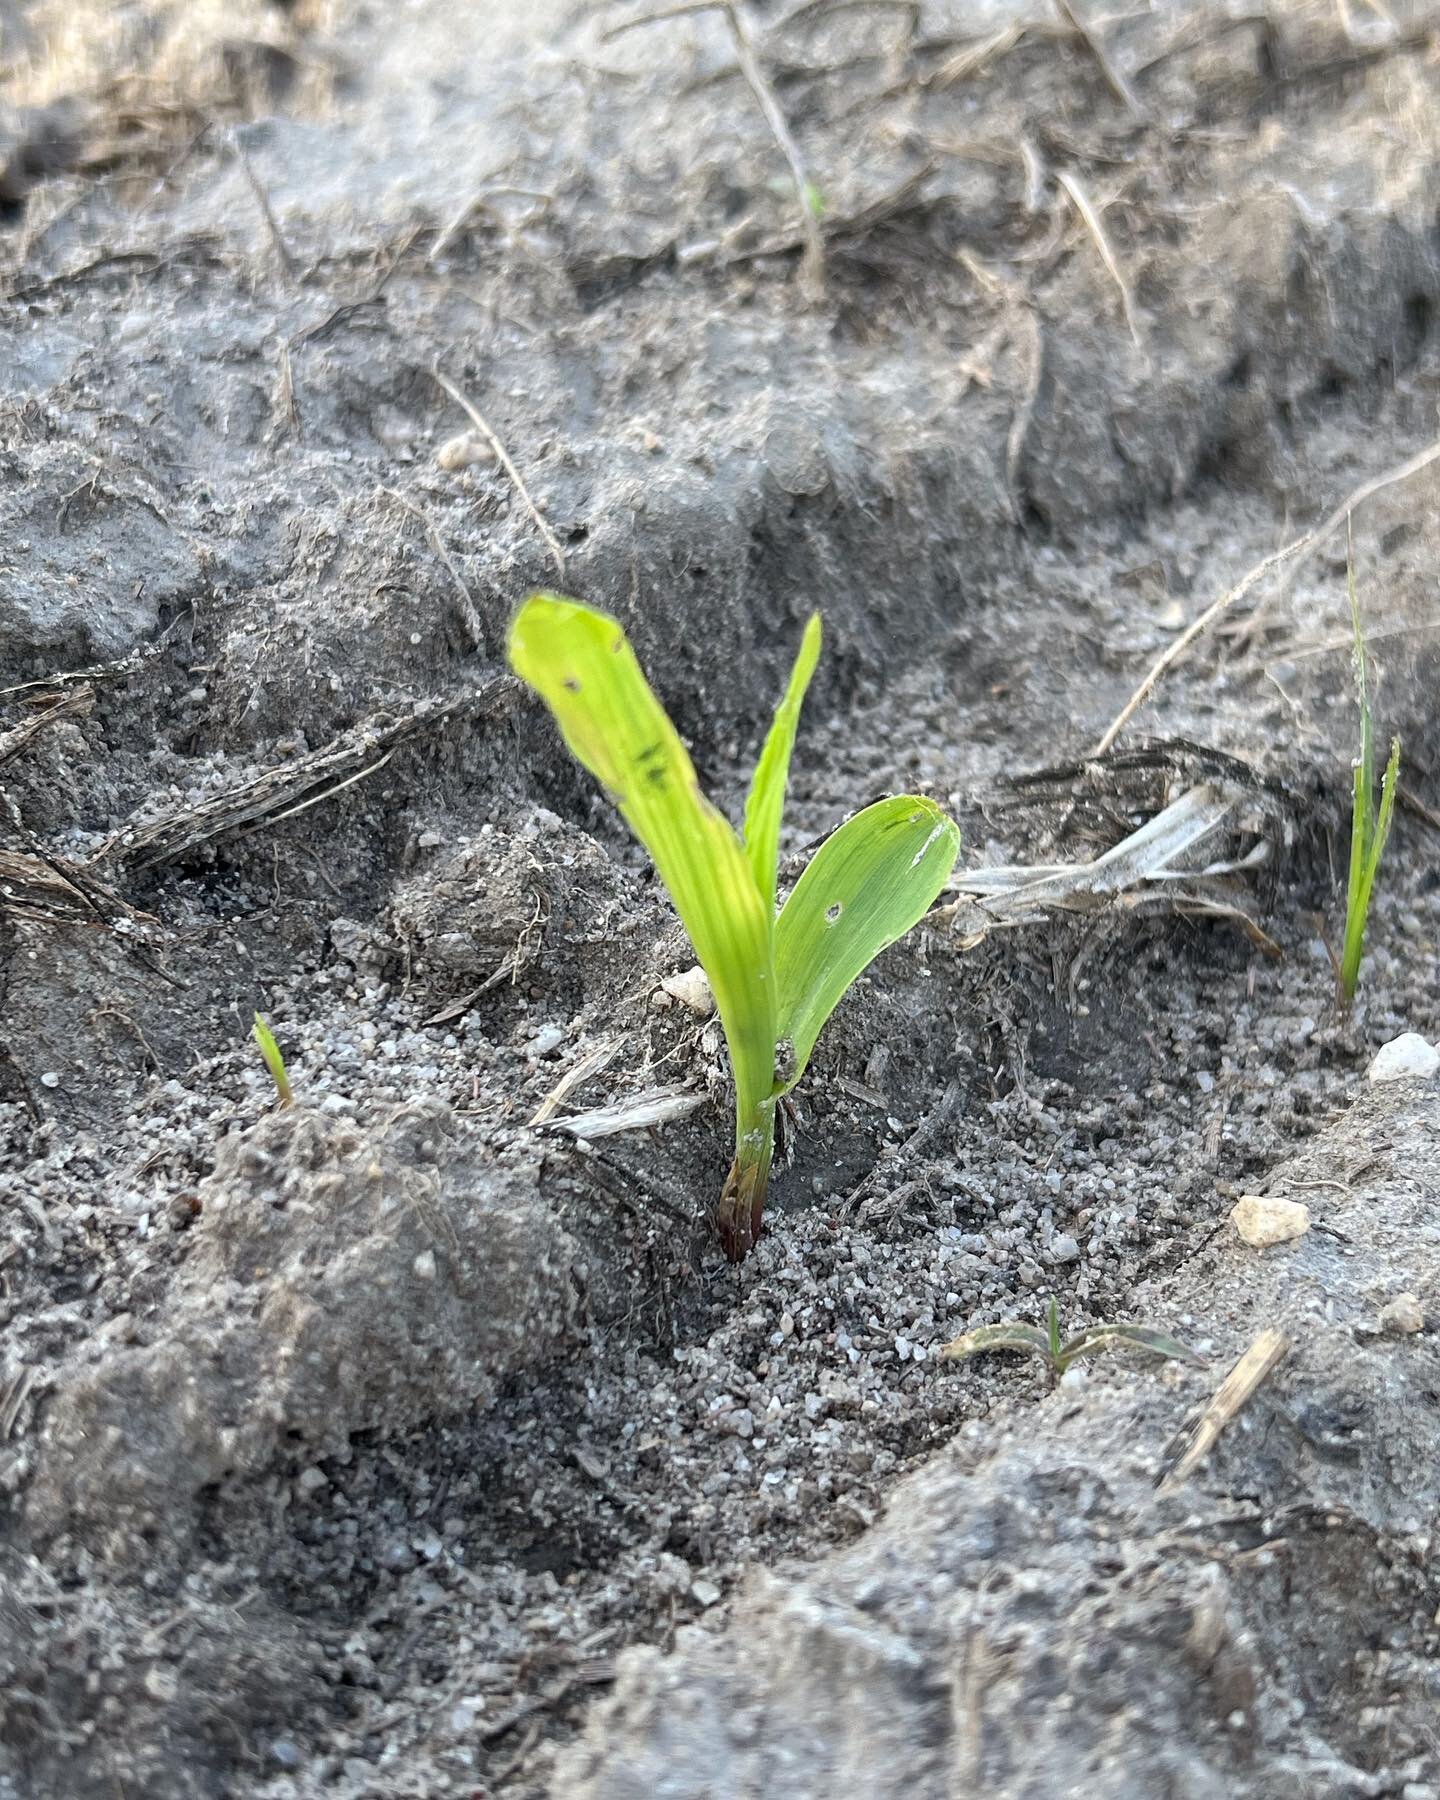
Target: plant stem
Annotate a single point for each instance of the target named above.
(742, 1200)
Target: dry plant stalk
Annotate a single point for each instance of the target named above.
(1091, 220)
(1231, 1398)
(502, 456)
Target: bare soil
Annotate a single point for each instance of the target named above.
(393, 1445)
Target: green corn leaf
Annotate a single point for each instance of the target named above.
(1369, 828)
(274, 1061)
(1134, 1337)
(866, 885)
(1388, 784)
(1028, 1339)
(1052, 1331)
(581, 664)
(766, 803)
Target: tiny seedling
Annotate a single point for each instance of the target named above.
(776, 979)
(274, 1061)
(1369, 824)
(1060, 1351)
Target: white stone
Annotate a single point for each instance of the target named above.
(1263, 1221)
(691, 988)
(1405, 1058)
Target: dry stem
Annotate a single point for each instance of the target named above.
(1091, 219)
(503, 457)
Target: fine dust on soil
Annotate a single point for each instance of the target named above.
(389, 1446)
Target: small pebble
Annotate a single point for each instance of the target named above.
(692, 989)
(1263, 1221)
(464, 450)
(162, 1683)
(1405, 1058)
(704, 1593)
(310, 1479)
(50, 1079)
(424, 1265)
(1402, 1317)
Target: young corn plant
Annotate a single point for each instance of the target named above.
(1369, 824)
(1060, 1351)
(274, 1061)
(776, 979)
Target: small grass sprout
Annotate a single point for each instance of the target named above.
(1059, 1351)
(274, 1061)
(1369, 823)
(776, 978)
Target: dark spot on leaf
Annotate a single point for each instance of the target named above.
(573, 683)
(833, 912)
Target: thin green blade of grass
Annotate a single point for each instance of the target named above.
(766, 803)
(868, 883)
(1369, 827)
(581, 664)
(1362, 881)
(1389, 783)
(274, 1061)
(1361, 798)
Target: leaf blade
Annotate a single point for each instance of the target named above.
(1028, 1340)
(274, 1060)
(1096, 1338)
(580, 662)
(869, 882)
(765, 805)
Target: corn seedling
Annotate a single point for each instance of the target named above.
(776, 979)
(274, 1061)
(1061, 1351)
(1369, 824)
